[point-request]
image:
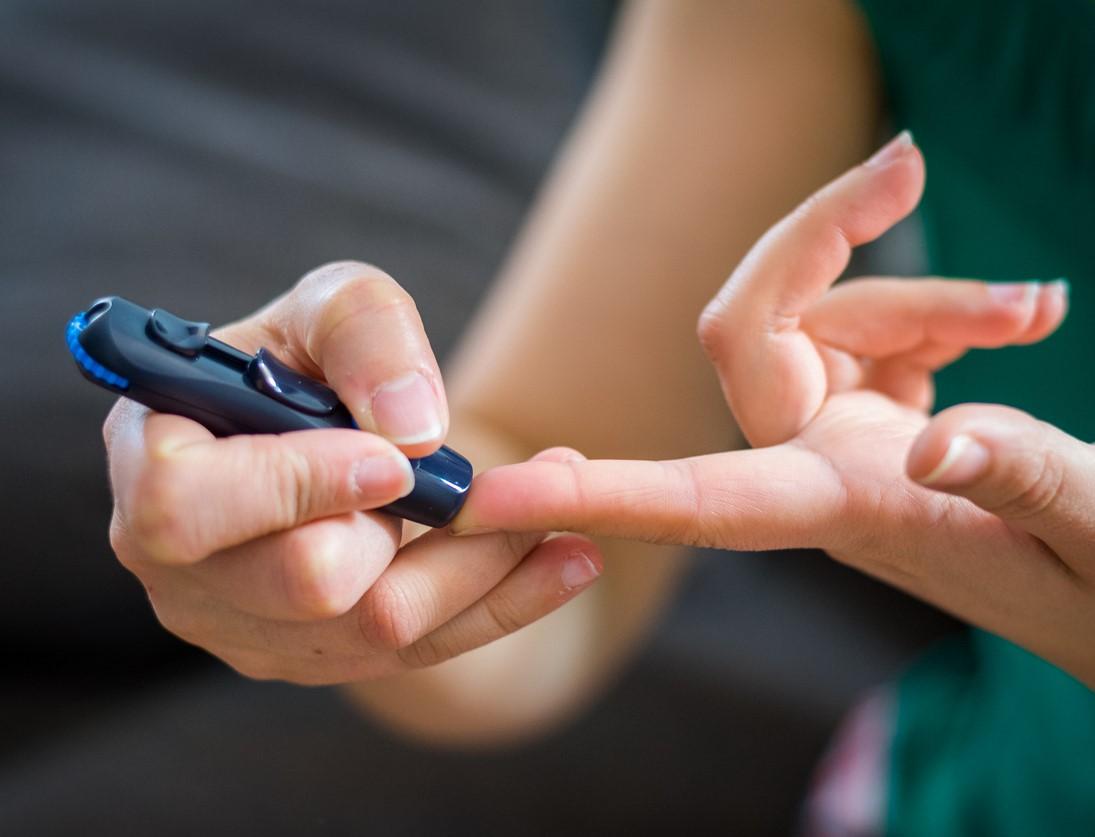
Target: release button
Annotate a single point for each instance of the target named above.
(271, 377)
(182, 336)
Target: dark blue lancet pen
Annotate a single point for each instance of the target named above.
(173, 366)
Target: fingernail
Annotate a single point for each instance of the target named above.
(379, 476)
(578, 571)
(894, 149)
(965, 460)
(406, 411)
(1010, 293)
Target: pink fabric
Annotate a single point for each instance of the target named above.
(848, 797)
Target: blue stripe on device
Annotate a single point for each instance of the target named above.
(86, 362)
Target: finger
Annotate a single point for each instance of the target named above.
(758, 499)
(437, 576)
(357, 326)
(905, 381)
(551, 575)
(773, 378)
(1023, 470)
(879, 318)
(434, 578)
(334, 651)
(310, 652)
(182, 494)
(315, 571)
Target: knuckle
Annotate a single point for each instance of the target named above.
(517, 545)
(377, 292)
(122, 413)
(331, 277)
(110, 424)
(158, 518)
(428, 651)
(314, 581)
(710, 329)
(1032, 487)
(254, 666)
(292, 477)
(388, 620)
(187, 623)
(348, 289)
(504, 612)
(700, 523)
(121, 542)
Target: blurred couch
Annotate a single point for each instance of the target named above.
(200, 156)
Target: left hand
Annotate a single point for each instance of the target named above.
(833, 388)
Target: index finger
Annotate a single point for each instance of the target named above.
(798, 259)
(770, 498)
(771, 373)
(182, 494)
(356, 326)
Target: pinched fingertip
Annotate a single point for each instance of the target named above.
(502, 492)
(559, 454)
(509, 497)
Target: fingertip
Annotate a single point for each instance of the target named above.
(582, 566)
(956, 447)
(963, 461)
(559, 454)
(930, 448)
(508, 497)
(900, 162)
(869, 199)
(906, 178)
(1051, 307)
(572, 559)
(892, 150)
(1027, 312)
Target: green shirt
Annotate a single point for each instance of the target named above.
(1000, 95)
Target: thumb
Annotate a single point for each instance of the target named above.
(184, 494)
(1009, 463)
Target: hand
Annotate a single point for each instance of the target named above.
(832, 387)
(262, 550)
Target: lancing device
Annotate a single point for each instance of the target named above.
(172, 365)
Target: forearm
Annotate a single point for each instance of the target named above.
(695, 139)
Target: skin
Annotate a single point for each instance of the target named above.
(982, 510)
(658, 192)
(277, 566)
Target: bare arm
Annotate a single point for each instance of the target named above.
(709, 121)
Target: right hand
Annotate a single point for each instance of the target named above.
(262, 549)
